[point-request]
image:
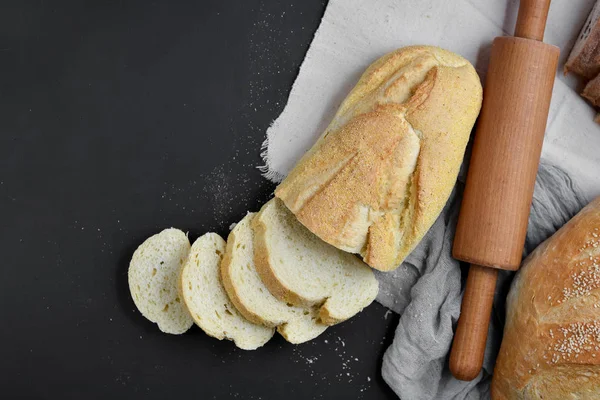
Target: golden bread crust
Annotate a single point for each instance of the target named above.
(379, 176)
(551, 345)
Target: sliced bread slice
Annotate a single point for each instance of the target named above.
(252, 298)
(584, 59)
(299, 268)
(207, 300)
(153, 279)
(592, 91)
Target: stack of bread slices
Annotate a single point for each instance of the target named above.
(584, 59)
(372, 185)
(271, 274)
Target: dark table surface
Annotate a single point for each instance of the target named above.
(119, 119)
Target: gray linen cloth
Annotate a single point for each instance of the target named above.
(426, 291)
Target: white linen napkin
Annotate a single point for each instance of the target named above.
(354, 33)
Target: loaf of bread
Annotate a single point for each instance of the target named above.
(153, 278)
(207, 301)
(584, 59)
(300, 269)
(252, 298)
(592, 91)
(379, 176)
(551, 345)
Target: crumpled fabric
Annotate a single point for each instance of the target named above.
(426, 290)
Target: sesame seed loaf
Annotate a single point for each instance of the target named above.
(551, 345)
(381, 173)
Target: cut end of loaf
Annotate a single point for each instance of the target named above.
(300, 266)
(374, 182)
(251, 296)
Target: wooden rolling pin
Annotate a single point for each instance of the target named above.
(495, 209)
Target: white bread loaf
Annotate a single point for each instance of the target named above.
(252, 298)
(153, 278)
(207, 300)
(551, 345)
(380, 174)
(299, 268)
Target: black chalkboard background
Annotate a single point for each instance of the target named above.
(119, 119)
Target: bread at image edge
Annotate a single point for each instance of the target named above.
(381, 173)
(153, 278)
(207, 300)
(592, 91)
(299, 268)
(551, 345)
(584, 58)
(252, 298)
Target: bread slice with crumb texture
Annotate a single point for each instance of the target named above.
(207, 301)
(299, 268)
(153, 277)
(584, 58)
(252, 298)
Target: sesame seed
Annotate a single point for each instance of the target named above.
(577, 337)
(586, 280)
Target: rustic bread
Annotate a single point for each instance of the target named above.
(252, 298)
(153, 277)
(592, 91)
(299, 268)
(379, 176)
(207, 300)
(551, 346)
(584, 59)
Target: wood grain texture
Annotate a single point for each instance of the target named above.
(531, 21)
(506, 152)
(468, 348)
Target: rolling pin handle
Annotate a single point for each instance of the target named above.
(531, 22)
(468, 348)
